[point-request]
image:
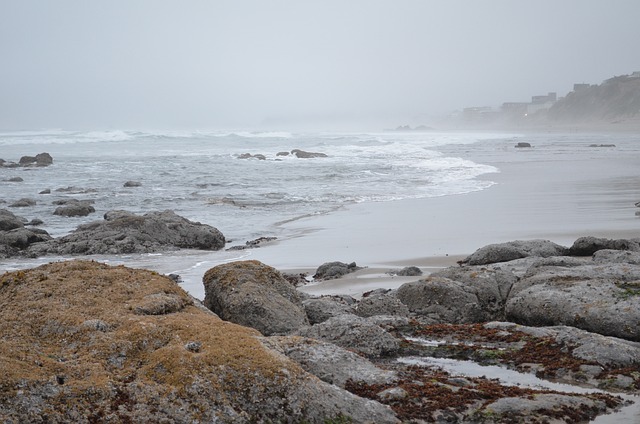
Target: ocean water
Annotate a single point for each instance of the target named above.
(200, 176)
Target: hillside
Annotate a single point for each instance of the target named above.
(616, 99)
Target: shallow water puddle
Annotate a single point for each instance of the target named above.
(627, 414)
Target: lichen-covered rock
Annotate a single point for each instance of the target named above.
(129, 233)
(354, 333)
(75, 350)
(253, 294)
(504, 252)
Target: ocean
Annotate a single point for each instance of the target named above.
(201, 176)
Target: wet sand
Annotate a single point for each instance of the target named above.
(554, 200)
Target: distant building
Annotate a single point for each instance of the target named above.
(578, 87)
(549, 98)
(476, 114)
(515, 109)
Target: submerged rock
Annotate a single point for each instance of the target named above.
(306, 155)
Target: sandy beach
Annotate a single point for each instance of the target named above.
(557, 200)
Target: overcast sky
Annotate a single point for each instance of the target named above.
(154, 64)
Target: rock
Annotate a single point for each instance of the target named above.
(616, 256)
(354, 333)
(491, 286)
(74, 209)
(255, 295)
(321, 309)
(250, 156)
(75, 190)
(132, 184)
(41, 159)
(587, 246)
(282, 154)
(23, 203)
(9, 221)
(504, 252)
(381, 304)
(333, 270)
(603, 350)
(306, 155)
(393, 393)
(409, 271)
(328, 362)
(523, 144)
(44, 159)
(600, 298)
(35, 222)
(151, 232)
(118, 214)
(252, 244)
(15, 180)
(443, 300)
(45, 191)
(186, 366)
(522, 410)
(13, 242)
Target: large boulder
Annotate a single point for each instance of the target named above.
(77, 348)
(443, 300)
(253, 294)
(354, 333)
(504, 252)
(601, 298)
(151, 232)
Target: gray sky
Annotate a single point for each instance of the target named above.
(155, 64)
